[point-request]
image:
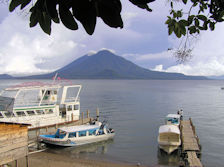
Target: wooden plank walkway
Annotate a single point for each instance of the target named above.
(193, 160)
(189, 139)
(190, 143)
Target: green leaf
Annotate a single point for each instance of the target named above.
(184, 1)
(202, 17)
(85, 12)
(25, 3)
(196, 22)
(33, 19)
(205, 25)
(51, 10)
(141, 2)
(14, 4)
(66, 17)
(168, 20)
(212, 26)
(192, 29)
(109, 11)
(179, 13)
(170, 29)
(183, 22)
(44, 22)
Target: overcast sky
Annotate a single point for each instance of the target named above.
(143, 40)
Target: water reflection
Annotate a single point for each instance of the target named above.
(166, 159)
(94, 148)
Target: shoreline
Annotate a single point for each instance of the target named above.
(56, 160)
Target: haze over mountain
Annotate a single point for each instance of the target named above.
(107, 65)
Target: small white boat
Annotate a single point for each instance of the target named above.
(173, 119)
(169, 138)
(79, 135)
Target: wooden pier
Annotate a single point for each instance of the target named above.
(191, 149)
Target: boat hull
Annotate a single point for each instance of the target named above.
(77, 142)
(169, 148)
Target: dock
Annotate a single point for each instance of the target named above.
(191, 149)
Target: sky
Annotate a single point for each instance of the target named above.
(144, 40)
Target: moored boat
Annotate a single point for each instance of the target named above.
(173, 119)
(169, 138)
(79, 135)
(40, 104)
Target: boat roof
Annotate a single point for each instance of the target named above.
(38, 85)
(173, 116)
(79, 128)
(169, 128)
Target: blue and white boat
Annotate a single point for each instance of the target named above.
(173, 119)
(79, 135)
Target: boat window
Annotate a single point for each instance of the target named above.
(92, 132)
(1, 116)
(55, 92)
(40, 112)
(60, 134)
(48, 111)
(69, 108)
(30, 112)
(9, 114)
(76, 107)
(82, 133)
(72, 135)
(20, 113)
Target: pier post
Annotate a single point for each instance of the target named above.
(17, 165)
(87, 113)
(82, 117)
(97, 114)
(27, 161)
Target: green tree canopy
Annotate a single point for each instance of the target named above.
(179, 22)
(71, 11)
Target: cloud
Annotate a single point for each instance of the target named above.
(29, 51)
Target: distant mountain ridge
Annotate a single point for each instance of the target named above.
(5, 76)
(107, 65)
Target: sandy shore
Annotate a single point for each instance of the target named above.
(44, 159)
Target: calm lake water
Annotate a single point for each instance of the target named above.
(136, 109)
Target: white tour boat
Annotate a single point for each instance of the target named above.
(40, 104)
(79, 135)
(169, 138)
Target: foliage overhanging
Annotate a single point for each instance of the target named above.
(179, 22)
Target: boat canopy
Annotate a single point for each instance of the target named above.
(173, 116)
(6, 103)
(169, 129)
(79, 128)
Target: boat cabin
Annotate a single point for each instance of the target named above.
(169, 133)
(80, 131)
(40, 104)
(172, 119)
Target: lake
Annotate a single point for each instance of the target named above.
(136, 109)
